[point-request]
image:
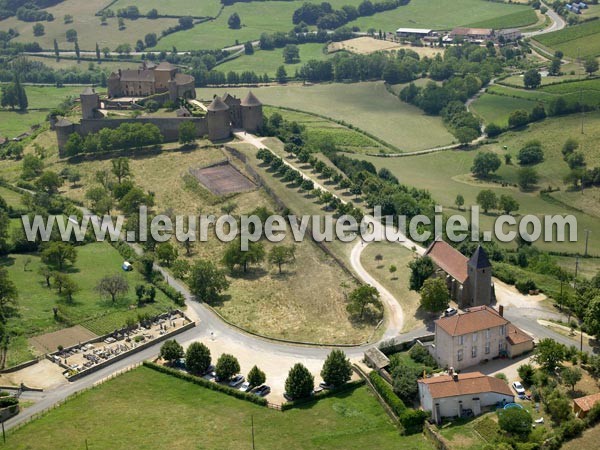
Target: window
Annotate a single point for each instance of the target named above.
(487, 347)
(461, 340)
(502, 330)
(500, 346)
(474, 337)
(459, 356)
(487, 334)
(474, 352)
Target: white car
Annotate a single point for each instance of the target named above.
(245, 387)
(518, 387)
(450, 312)
(236, 381)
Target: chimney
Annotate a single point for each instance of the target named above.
(501, 310)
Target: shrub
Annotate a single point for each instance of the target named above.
(571, 428)
(412, 420)
(525, 285)
(300, 382)
(8, 401)
(197, 358)
(386, 392)
(227, 367)
(515, 421)
(419, 354)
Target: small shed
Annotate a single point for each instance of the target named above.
(582, 405)
(375, 359)
(126, 266)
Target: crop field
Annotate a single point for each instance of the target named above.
(439, 15)
(496, 108)
(88, 27)
(514, 20)
(446, 174)
(72, 64)
(580, 40)
(368, 106)
(36, 301)
(102, 417)
(205, 8)
(268, 61)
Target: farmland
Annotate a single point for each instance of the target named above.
(514, 20)
(368, 106)
(497, 108)
(205, 8)
(103, 417)
(580, 40)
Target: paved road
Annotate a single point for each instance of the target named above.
(558, 23)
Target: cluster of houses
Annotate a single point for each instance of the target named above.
(475, 35)
(575, 7)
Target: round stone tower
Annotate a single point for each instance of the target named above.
(219, 126)
(90, 102)
(63, 129)
(252, 115)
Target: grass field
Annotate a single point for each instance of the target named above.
(205, 8)
(368, 106)
(200, 418)
(580, 40)
(71, 64)
(589, 439)
(36, 300)
(11, 197)
(513, 20)
(497, 108)
(437, 14)
(268, 61)
(88, 27)
(447, 174)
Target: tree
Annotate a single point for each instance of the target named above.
(187, 132)
(571, 376)
(181, 269)
(281, 75)
(570, 145)
(106, 52)
(56, 50)
(38, 29)
(206, 281)
(300, 383)
(227, 367)
(98, 52)
(532, 79)
(361, 297)
(49, 182)
(56, 254)
(592, 317)
(466, 135)
(487, 200)
(152, 14)
(150, 40)
(166, 253)
(234, 22)
(576, 160)
(554, 69)
(434, 295)
(256, 377)
(526, 372)
(484, 163)
(248, 48)
(234, 256)
(537, 113)
(549, 354)
(291, 54)
(527, 177)
(71, 35)
(590, 65)
(507, 204)
(112, 285)
(459, 202)
(518, 118)
(197, 358)
(47, 273)
(493, 130)
(77, 51)
(171, 351)
(68, 18)
(8, 295)
(405, 381)
(120, 168)
(282, 254)
(337, 369)
(515, 421)
(531, 153)
(69, 288)
(421, 269)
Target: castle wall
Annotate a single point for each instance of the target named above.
(252, 118)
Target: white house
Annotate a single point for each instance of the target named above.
(458, 394)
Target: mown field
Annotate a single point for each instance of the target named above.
(268, 61)
(368, 106)
(580, 40)
(205, 8)
(439, 15)
(207, 419)
(513, 20)
(496, 108)
(447, 174)
(88, 27)
(72, 64)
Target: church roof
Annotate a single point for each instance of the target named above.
(88, 91)
(450, 260)
(479, 259)
(217, 105)
(251, 100)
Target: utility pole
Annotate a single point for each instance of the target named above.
(587, 237)
(580, 89)
(252, 421)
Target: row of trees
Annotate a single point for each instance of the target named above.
(14, 96)
(126, 135)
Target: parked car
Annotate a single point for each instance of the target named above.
(519, 389)
(245, 387)
(324, 385)
(237, 380)
(262, 390)
(317, 390)
(288, 397)
(450, 312)
(210, 376)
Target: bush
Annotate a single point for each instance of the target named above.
(171, 292)
(8, 401)
(227, 367)
(207, 384)
(386, 392)
(419, 354)
(525, 285)
(515, 421)
(412, 420)
(526, 372)
(197, 358)
(571, 428)
(300, 382)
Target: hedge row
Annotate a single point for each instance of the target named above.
(171, 292)
(351, 385)
(207, 384)
(8, 401)
(387, 393)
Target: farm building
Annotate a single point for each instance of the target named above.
(509, 34)
(417, 32)
(582, 405)
(472, 34)
(457, 395)
(375, 359)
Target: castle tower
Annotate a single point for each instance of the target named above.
(90, 102)
(219, 126)
(252, 115)
(480, 278)
(64, 129)
(173, 91)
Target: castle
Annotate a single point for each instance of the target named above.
(222, 115)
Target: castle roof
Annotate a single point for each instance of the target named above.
(450, 260)
(183, 78)
(479, 259)
(88, 91)
(133, 75)
(251, 100)
(217, 105)
(165, 66)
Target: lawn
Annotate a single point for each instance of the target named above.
(514, 20)
(589, 439)
(438, 15)
(13, 123)
(471, 434)
(496, 108)
(103, 418)
(205, 8)
(88, 27)
(36, 301)
(83, 66)
(368, 106)
(580, 40)
(11, 197)
(398, 282)
(268, 61)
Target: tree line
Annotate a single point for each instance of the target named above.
(126, 135)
